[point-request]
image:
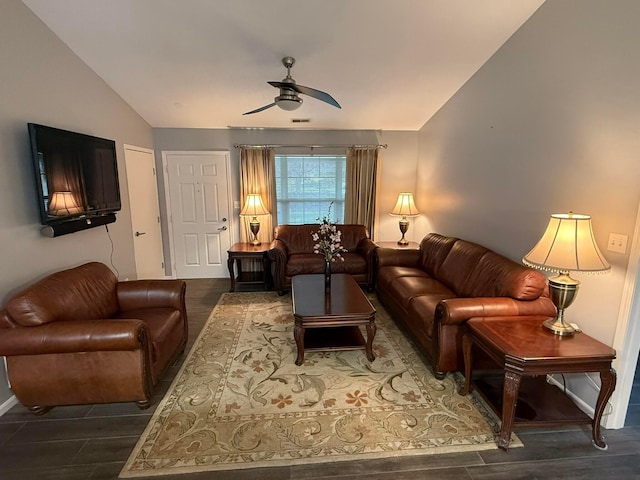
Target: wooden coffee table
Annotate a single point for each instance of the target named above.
(330, 321)
(527, 352)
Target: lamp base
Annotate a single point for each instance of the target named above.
(562, 290)
(404, 226)
(558, 327)
(254, 225)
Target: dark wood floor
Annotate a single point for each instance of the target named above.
(94, 441)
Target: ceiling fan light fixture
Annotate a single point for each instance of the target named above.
(289, 98)
(288, 102)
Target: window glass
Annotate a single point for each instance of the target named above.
(307, 184)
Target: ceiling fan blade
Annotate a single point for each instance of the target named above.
(260, 109)
(312, 92)
(318, 94)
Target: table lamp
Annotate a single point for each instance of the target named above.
(63, 203)
(405, 207)
(253, 207)
(567, 245)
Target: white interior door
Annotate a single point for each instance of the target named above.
(197, 186)
(145, 211)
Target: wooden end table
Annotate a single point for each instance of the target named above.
(409, 246)
(239, 251)
(528, 353)
(330, 321)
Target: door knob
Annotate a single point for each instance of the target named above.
(137, 234)
(223, 228)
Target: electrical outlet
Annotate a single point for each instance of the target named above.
(617, 243)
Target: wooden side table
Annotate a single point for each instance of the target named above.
(240, 251)
(527, 352)
(410, 246)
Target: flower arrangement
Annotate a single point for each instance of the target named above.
(328, 239)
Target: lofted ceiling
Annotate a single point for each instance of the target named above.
(391, 64)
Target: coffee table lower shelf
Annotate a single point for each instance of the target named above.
(539, 403)
(333, 338)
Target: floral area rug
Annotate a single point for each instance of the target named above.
(239, 401)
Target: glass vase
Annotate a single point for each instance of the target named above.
(327, 275)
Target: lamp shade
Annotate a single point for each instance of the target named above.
(253, 206)
(568, 244)
(405, 206)
(63, 203)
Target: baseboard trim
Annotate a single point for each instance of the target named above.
(8, 404)
(581, 404)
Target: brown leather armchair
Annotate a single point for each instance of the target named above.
(80, 336)
(291, 253)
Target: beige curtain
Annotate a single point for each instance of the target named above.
(258, 175)
(360, 195)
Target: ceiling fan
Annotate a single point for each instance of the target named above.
(289, 98)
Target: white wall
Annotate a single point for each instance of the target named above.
(549, 124)
(42, 81)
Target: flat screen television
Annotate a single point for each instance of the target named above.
(76, 175)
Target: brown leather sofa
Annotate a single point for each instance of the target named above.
(433, 291)
(80, 336)
(291, 253)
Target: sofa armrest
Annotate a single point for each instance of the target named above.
(278, 255)
(74, 336)
(136, 294)
(278, 251)
(458, 310)
(367, 247)
(397, 257)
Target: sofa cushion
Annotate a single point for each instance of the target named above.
(458, 265)
(84, 292)
(304, 263)
(387, 275)
(407, 288)
(297, 238)
(434, 249)
(352, 235)
(497, 276)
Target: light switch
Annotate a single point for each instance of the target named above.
(236, 204)
(617, 243)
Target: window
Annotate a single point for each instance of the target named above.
(307, 184)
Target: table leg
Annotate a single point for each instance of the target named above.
(607, 385)
(467, 343)
(371, 332)
(298, 335)
(232, 275)
(509, 400)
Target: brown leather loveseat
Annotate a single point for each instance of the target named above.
(433, 291)
(291, 253)
(80, 336)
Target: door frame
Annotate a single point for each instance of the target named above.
(167, 198)
(627, 336)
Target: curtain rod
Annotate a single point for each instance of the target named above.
(309, 146)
